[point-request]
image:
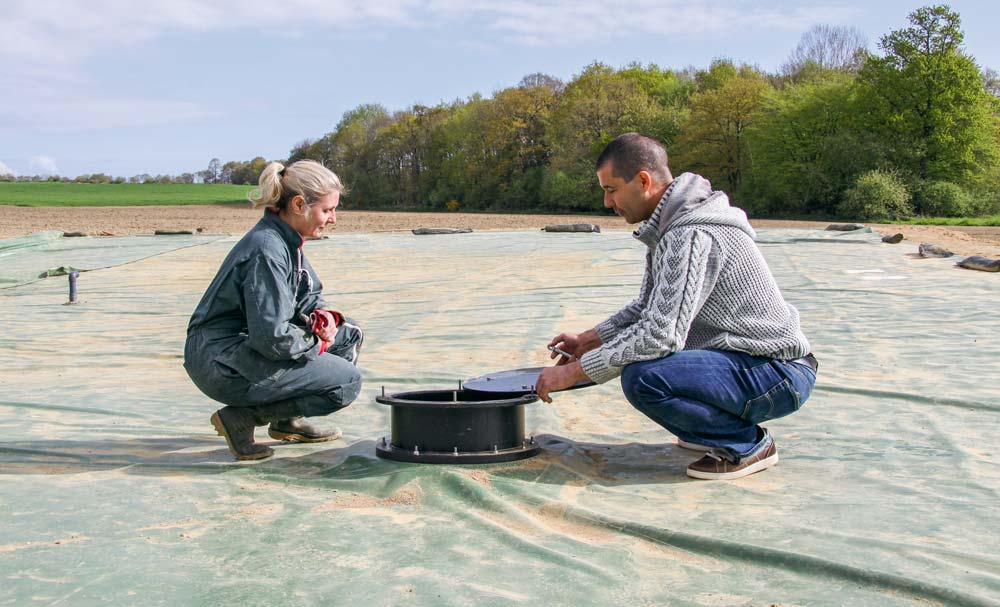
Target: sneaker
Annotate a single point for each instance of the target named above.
(692, 446)
(724, 464)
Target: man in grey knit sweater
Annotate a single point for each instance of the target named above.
(709, 349)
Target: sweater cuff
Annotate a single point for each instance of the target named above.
(606, 330)
(597, 368)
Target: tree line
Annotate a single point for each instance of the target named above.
(837, 131)
(234, 172)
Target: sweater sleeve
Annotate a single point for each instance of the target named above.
(270, 308)
(684, 278)
(630, 313)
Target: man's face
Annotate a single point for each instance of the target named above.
(629, 199)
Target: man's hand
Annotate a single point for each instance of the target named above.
(559, 377)
(574, 345)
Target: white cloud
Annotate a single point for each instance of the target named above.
(43, 165)
(45, 47)
(5, 170)
(556, 23)
(65, 32)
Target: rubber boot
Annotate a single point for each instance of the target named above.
(236, 425)
(301, 430)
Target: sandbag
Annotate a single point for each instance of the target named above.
(425, 231)
(978, 262)
(933, 250)
(573, 227)
(844, 227)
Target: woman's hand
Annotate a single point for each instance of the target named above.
(325, 323)
(327, 333)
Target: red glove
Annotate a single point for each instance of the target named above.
(321, 319)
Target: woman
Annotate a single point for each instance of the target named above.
(262, 340)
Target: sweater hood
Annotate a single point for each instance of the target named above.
(690, 200)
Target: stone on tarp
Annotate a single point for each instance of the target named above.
(894, 239)
(73, 234)
(424, 231)
(573, 227)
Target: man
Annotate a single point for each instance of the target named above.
(709, 349)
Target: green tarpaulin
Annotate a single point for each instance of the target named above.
(115, 490)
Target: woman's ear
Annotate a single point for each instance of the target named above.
(298, 204)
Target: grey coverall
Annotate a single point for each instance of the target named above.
(249, 341)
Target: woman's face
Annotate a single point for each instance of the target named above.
(317, 216)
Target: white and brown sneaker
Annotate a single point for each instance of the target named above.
(724, 464)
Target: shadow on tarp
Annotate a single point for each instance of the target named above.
(562, 460)
(170, 455)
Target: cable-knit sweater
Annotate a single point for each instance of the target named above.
(705, 286)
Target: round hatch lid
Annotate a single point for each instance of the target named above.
(512, 381)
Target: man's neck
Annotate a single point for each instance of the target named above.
(655, 196)
(660, 191)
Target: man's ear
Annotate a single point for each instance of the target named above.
(645, 179)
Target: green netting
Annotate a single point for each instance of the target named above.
(27, 258)
(114, 488)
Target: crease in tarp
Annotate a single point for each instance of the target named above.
(934, 401)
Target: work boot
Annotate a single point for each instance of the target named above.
(301, 430)
(236, 425)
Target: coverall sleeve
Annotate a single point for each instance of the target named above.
(270, 308)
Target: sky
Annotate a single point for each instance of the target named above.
(126, 87)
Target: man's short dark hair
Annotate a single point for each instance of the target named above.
(631, 153)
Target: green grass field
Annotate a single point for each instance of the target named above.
(988, 220)
(46, 194)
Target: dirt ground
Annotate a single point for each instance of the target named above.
(227, 219)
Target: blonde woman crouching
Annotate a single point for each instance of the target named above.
(262, 340)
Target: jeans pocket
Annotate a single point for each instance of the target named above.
(779, 401)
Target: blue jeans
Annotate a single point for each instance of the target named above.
(716, 397)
